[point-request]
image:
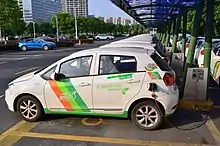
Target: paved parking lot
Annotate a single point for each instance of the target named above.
(88, 131)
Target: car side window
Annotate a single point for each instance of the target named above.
(77, 67)
(216, 50)
(110, 64)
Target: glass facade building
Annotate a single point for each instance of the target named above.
(39, 10)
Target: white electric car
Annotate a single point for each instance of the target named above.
(118, 82)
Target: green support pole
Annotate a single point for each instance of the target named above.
(184, 35)
(174, 26)
(208, 36)
(165, 34)
(168, 33)
(176, 31)
(193, 40)
(161, 34)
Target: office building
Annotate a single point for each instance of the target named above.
(80, 7)
(110, 20)
(39, 10)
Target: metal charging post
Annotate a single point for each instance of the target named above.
(196, 26)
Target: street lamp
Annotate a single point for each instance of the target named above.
(76, 29)
(76, 25)
(34, 29)
(57, 26)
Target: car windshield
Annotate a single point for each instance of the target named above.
(39, 40)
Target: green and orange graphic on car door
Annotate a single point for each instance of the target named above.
(68, 95)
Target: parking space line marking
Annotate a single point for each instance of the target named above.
(213, 130)
(2, 96)
(96, 139)
(7, 138)
(26, 70)
(10, 130)
(3, 62)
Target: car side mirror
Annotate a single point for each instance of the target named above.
(58, 76)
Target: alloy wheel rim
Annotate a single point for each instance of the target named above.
(147, 116)
(28, 109)
(45, 47)
(24, 48)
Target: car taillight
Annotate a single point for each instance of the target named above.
(168, 79)
(187, 45)
(202, 52)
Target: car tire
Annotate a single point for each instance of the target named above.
(23, 48)
(154, 116)
(107, 38)
(29, 108)
(98, 39)
(45, 47)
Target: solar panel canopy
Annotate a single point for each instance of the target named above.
(154, 12)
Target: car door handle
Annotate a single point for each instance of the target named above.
(84, 84)
(133, 81)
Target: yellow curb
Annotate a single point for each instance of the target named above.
(196, 104)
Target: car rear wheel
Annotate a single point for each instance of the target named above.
(147, 116)
(107, 38)
(45, 47)
(23, 48)
(29, 108)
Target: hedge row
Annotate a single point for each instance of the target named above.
(13, 45)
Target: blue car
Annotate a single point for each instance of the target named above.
(36, 44)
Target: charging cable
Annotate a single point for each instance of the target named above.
(183, 129)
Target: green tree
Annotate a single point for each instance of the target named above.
(65, 23)
(10, 14)
(46, 28)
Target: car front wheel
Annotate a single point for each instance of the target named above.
(45, 47)
(147, 116)
(29, 108)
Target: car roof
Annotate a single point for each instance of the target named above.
(130, 44)
(126, 50)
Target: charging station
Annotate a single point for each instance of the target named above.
(196, 84)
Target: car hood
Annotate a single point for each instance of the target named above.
(23, 78)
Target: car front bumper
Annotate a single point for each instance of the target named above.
(9, 99)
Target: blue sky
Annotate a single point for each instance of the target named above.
(105, 8)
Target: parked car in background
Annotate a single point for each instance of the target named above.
(36, 44)
(201, 52)
(215, 63)
(104, 37)
(45, 38)
(179, 44)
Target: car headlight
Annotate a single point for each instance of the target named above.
(10, 85)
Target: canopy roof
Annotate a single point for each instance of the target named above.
(154, 12)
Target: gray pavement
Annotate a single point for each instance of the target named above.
(70, 130)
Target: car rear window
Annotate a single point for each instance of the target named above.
(160, 62)
(157, 48)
